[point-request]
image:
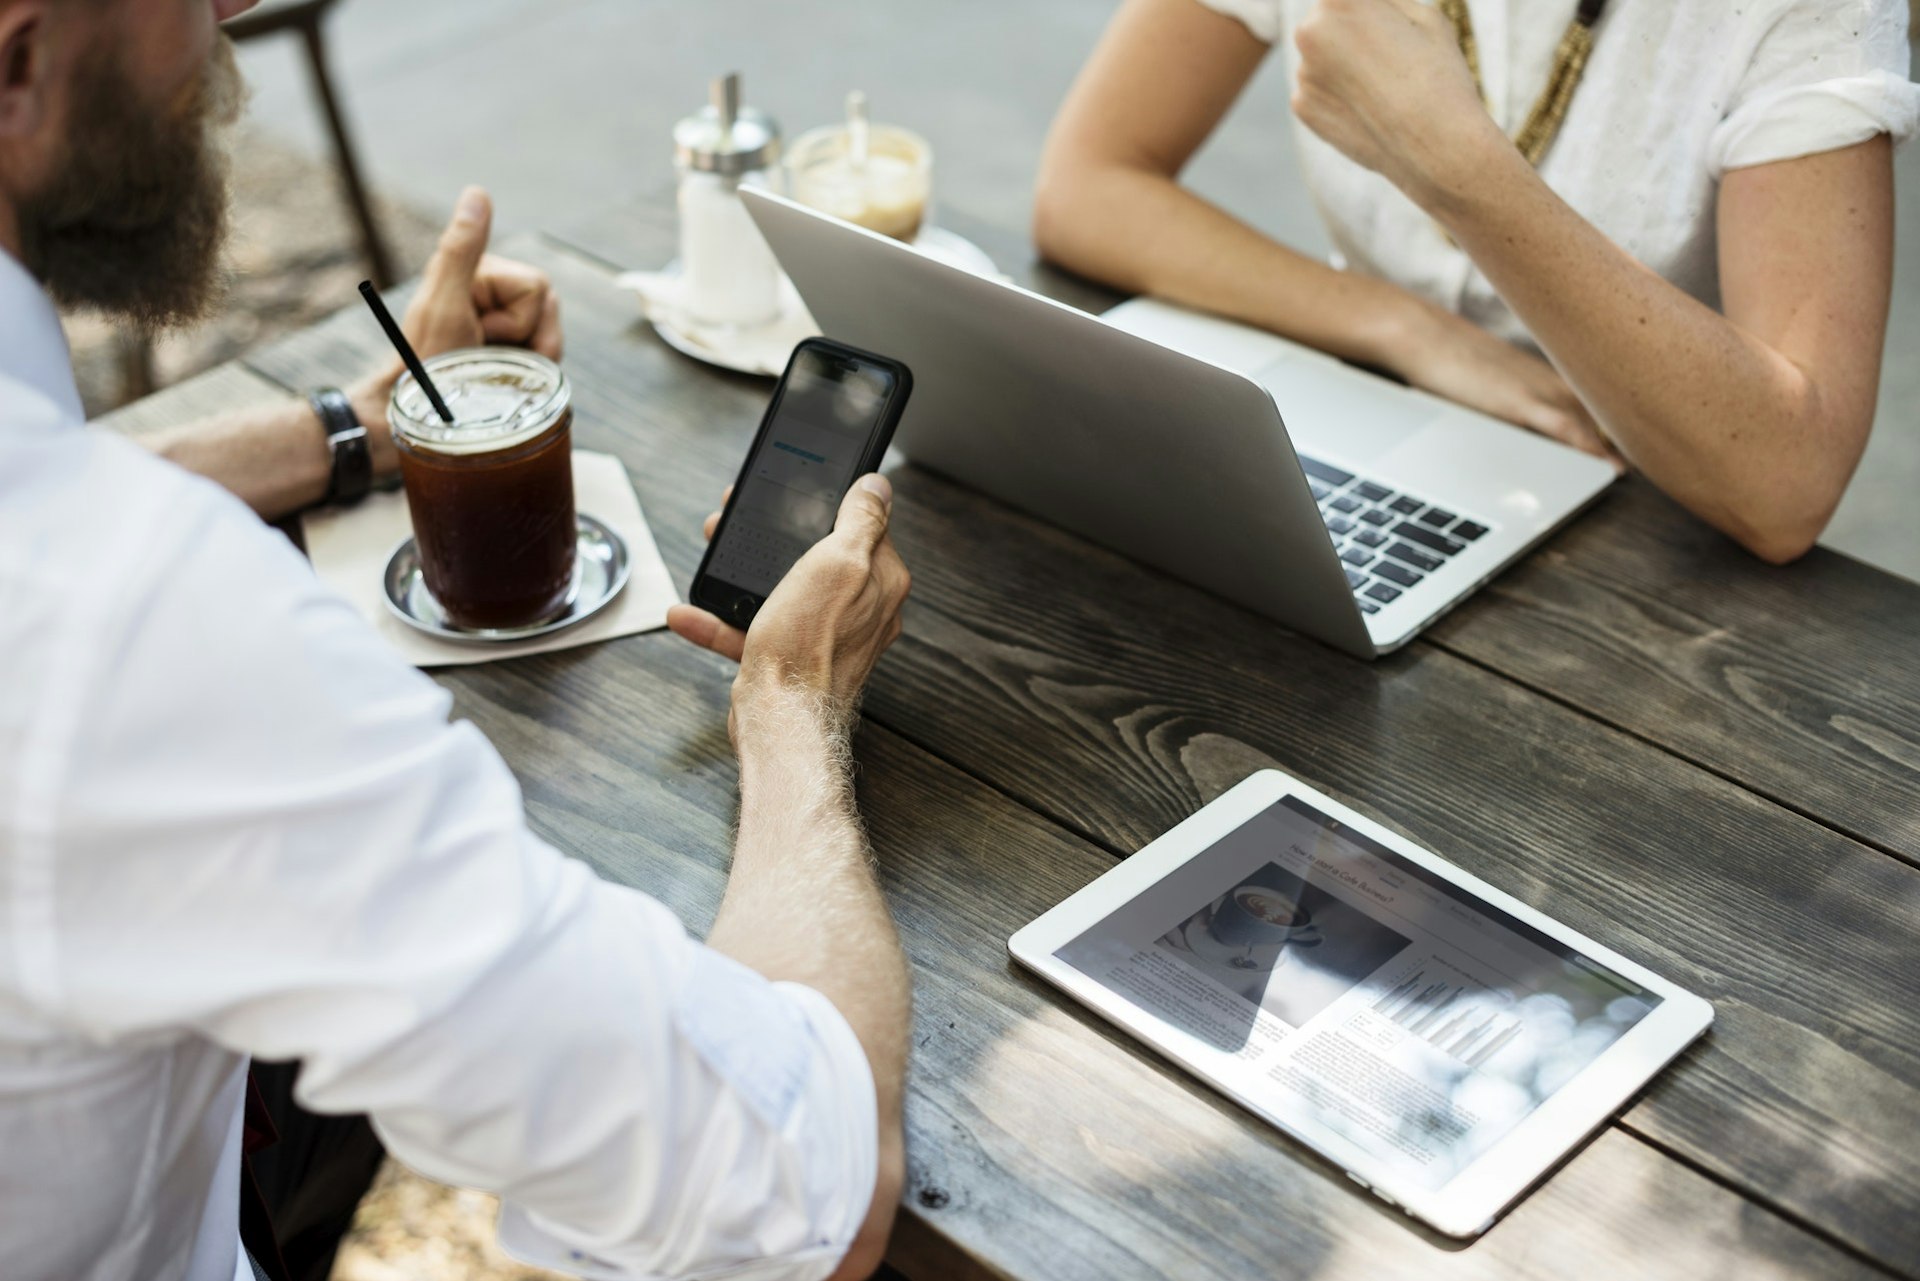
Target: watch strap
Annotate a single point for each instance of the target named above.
(352, 474)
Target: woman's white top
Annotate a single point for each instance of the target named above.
(1676, 93)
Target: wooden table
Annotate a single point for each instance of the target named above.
(1709, 764)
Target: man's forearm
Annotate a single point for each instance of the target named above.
(275, 459)
(802, 903)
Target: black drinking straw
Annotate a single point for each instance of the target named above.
(405, 348)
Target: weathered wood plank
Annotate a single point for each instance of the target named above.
(1026, 663)
(1041, 1144)
(1112, 1167)
(1801, 683)
(1119, 730)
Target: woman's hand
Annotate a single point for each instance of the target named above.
(1439, 352)
(1385, 83)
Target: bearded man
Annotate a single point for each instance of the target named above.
(232, 824)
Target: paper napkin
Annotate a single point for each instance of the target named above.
(760, 350)
(350, 547)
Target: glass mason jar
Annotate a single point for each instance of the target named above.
(491, 493)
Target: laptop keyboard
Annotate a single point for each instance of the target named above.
(1389, 540)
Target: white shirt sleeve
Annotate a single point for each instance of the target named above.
(268, 834)
(1264, 18)
(1824, 74)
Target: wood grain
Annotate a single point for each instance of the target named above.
(1801, 683)
(1115, 701)
(1041, 1144)
(1029, 665)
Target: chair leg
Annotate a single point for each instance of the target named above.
(133, 352)
(379, 264)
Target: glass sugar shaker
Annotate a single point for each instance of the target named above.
(729, 275)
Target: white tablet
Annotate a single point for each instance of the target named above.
(1441, 1042)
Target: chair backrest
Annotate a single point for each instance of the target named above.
(272, 16)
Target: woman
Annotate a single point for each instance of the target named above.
(1702, 255)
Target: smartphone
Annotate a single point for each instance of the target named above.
(827, 425)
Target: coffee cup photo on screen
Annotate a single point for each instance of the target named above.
(1286, 946)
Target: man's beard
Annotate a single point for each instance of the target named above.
(133, 221)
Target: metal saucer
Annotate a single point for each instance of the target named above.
(600, 568)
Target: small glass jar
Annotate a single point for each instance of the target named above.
(491, 493)
(890, 191)
(728, 275)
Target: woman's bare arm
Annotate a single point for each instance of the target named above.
(1754, 419)
(1110, 206)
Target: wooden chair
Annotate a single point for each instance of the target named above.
(307, 18)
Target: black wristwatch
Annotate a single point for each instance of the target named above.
(347, 441)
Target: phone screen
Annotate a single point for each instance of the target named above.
(815, 440)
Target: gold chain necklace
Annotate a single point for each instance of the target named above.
(1569, 62)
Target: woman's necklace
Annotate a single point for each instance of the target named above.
(1569, 61)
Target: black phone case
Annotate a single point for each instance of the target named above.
(736, 605)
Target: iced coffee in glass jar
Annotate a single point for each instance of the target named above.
(491, 493)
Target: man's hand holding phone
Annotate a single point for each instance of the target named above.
(803, 903)
(826, 624)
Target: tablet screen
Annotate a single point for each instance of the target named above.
(1348, 990)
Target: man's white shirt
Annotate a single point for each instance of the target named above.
(233, 824)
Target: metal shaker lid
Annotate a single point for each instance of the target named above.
(724, 137)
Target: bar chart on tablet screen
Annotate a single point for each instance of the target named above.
(1471, 1024)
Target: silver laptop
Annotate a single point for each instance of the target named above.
(1155, 431)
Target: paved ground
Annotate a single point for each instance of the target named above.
(563, 105)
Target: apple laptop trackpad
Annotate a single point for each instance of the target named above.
(1344, 414)
(1329, 407)
(1210, 338)
(1495, 470)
